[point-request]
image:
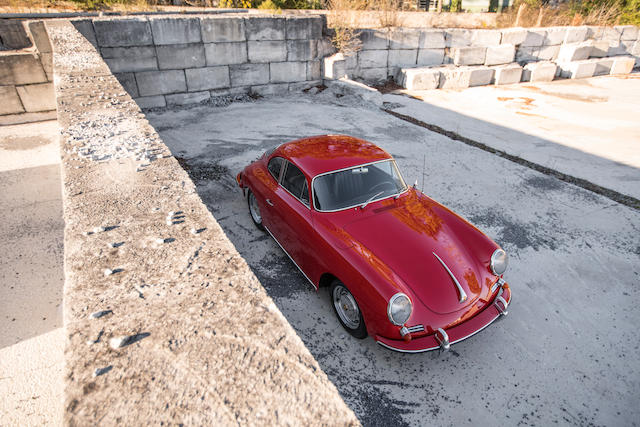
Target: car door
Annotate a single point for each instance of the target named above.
(267, 184)
(292, 225)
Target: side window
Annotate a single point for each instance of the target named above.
(274, 166)
(295, 182)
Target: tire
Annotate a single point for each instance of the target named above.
(254, 210)
(347, 310)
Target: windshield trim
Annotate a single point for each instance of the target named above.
(313, 188)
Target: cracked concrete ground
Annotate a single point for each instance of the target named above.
(568, 351)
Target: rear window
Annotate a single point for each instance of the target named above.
(274, 167)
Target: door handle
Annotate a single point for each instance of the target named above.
(269, 202)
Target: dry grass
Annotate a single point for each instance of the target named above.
(533, 15)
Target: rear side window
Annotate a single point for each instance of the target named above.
(274, 166)
(295, 182)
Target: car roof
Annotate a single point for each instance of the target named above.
(327, 153)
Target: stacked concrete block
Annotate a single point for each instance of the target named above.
(222, 30)
(577, 69)
(575, 51)
(599, 49)
(554, 36)
(298, 28)
(249, 74)
(372, 62)
(335, 66)
(301, 50)
(265, 28)
(628, 32)
(128, 82)
(534, 38)
(287, 72)
(207, 78)
(130, 59)
(500, 54)
(603, 66)
(485, 38)
(481, 76)
(468, 55)
(161, 82)
(620, 48)
(175, 31)
(180, 56)
(576, 34)
(25, 87)
(122, 32)
(187, 98)
(422, 78)
(374, 39)
(225, 53)
(452, 77)
(514, 36)
(458, 37)
(507, 74)
(622, 65)
(543, 71)
(430, 57)
(21, 68)
(260, 51)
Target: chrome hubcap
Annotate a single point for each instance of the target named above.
(346, 307)
(254, 209)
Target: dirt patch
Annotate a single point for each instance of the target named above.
(16, 143)
(388, 87)
(203, 171)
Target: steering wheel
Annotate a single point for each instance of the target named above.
(380, 184)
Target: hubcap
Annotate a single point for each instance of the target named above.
(346, 307)
(254, 209)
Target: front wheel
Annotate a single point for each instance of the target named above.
(254, 210)
(347, 310)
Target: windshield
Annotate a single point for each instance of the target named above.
(357, 186)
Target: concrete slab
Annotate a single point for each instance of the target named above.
(586, 128)
(563, 324)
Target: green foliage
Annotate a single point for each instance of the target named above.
(268, 5)
(628, 11)
(456, 6)
(289, 4)
(631, 12)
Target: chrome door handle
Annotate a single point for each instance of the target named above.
(269, 202)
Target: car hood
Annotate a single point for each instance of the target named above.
(406, 235)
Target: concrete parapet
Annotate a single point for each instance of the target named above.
(175, 30)
(430, 56)
(265, 28)
(507, 74)
(181, 56)
(225, 53)
(39, 37)
(20, 68)
(500, 54)
(10, 101)
(432, 39)
(161, 82)
(122, 32)
(575, 51)
(249, 74)
(267, 51)
(220, 30)
(468, 55)
(37, 97)
(544, 71)
(622, 65)
(191, 333)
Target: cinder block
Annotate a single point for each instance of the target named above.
(21, 68)
(288, 72)
(39, 35)
(187, 98)
(373, 58)
(620, 48)
(628, 32)
(543, 71)
(38, 97)
(485, 38)
(374, 39)
(500, 54)
(603, 66)
(267, 51)
(575, 51)
(207, 78)
(454, 77)
(175, 30)
(398, 58)
(335, 66)
(270, 89)
(577, 69)
(125, 65)
(222, 30)
(122, 32)
(249, 74)
(265, 28)
(161, 82)
(432, 39)
(128, 82)
(468, 55)
(419, 78)
(180, 56)
(547, 53)
(430, 56)
(225, 53)
(457, 37)
(145, 102)
(314, 70)
(481, 76)
(599, 49)
(622, 65)
(404, 38)
(534, 38)
(576, 34)
(301, 50)
(303, 28)
(10, 101)
(514, 36)
(507, 74)
(373, 74)
(555, 36)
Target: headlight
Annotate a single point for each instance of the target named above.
(399, 309)
(499, 262)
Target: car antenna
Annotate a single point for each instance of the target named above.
(424, 159)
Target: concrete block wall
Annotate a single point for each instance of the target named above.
(26, 79)
(166, 60)
(385, 51)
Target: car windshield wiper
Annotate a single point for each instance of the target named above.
(364, 205)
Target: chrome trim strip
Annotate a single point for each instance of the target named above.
(287, 254)
(416, 328)
(406, 187)
(461, 292)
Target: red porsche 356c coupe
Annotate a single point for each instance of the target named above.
(400, 266)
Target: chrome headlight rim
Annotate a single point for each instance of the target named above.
(494, 257)
(390, 305)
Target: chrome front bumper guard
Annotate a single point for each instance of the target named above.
(500, 303)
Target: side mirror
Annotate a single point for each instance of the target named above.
(415, 184)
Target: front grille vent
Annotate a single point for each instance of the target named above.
(416, 328)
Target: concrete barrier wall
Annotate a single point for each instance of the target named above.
(385, 51)
(180, 60)
(26, 78)
(165, 322)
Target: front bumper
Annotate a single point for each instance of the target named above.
(456, 334)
